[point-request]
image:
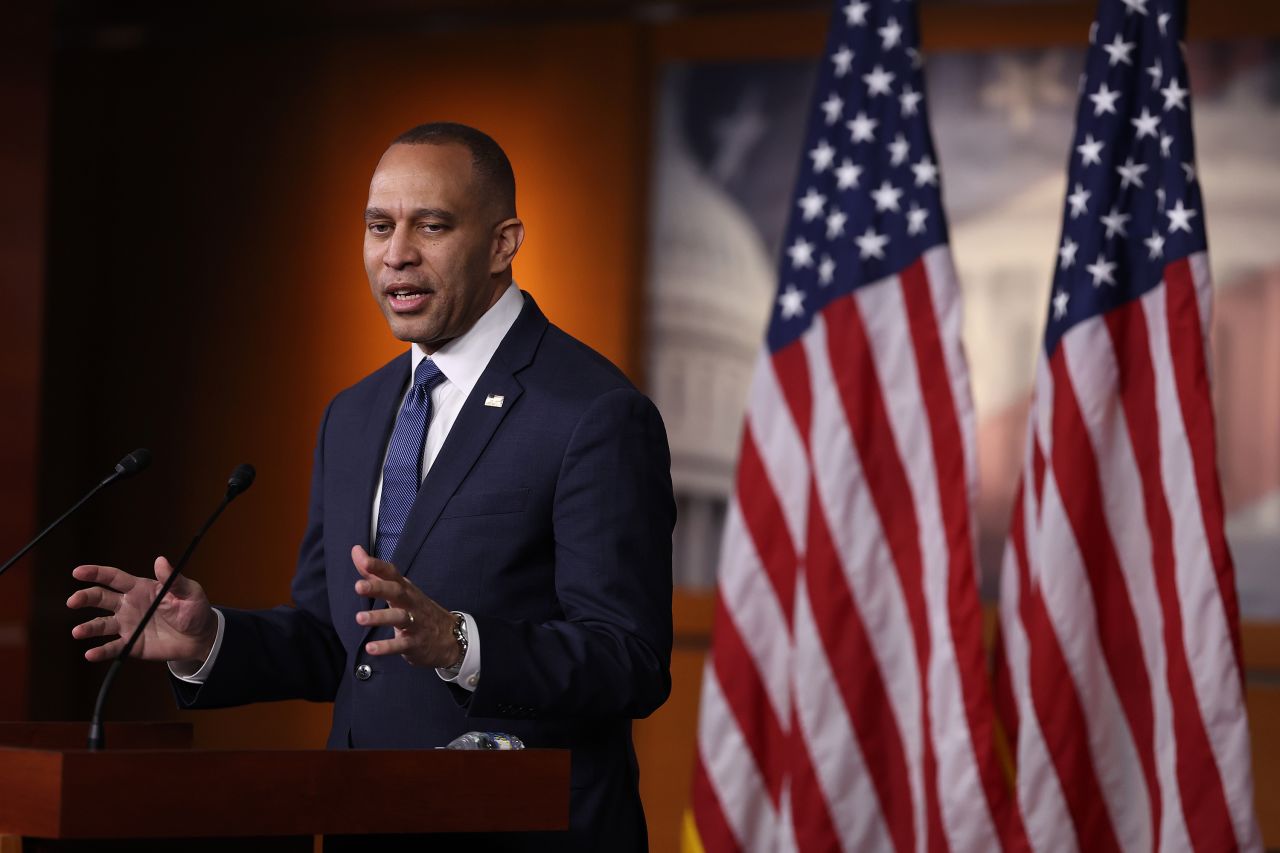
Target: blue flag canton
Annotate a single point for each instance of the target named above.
(1133, 201)
(868, 201)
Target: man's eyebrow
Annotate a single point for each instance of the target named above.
(372, 213)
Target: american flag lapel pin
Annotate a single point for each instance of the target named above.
(494, 400)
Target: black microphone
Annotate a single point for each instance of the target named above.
(132, 464)
(241, 479)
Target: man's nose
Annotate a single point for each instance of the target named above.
(401, 251)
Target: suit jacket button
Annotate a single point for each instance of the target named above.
(364, 672)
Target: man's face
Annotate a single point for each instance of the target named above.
(433, 243)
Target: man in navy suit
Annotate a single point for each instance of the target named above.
(515, 489)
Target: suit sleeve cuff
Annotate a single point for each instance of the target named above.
(201, 675)
(468, 675)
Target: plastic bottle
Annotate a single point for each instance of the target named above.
(486, 740)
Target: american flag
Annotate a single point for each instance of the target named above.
(1120, 677)
(845, 703)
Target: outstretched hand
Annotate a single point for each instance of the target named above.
(423, 629)
(182, 630)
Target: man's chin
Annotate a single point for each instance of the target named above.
(406, 327)
(412, 333)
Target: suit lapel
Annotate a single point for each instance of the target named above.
(370, 450)
(472, 431)
(379, 421)
(370, 446)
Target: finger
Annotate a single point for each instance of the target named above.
(106, 651)
(106, 576)
(394, 594)
(103, 626)
(397, 646)
(361, 559)
(383, 569)
(95, 596)
(163, 568)
(396, 617)
(380, 579)
(371, 566)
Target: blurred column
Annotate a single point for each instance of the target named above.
(25, 60)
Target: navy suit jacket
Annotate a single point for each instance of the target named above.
(547, 518)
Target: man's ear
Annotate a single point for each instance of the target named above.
(507, 237)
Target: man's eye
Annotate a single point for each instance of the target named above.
(379, 228)
(433, 227)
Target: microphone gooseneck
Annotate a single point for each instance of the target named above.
(241, 479)
(132, 464)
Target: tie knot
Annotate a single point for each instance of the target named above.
(427, 375)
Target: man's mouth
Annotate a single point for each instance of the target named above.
(405, 299)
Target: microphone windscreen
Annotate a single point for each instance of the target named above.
(135, 462)
(241, 479)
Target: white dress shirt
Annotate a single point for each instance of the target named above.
(462, 360)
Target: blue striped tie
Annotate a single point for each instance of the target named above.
(402, 472)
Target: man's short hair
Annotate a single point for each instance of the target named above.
(488, 161)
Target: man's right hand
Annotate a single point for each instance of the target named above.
(182, 631)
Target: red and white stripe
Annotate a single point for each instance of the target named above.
(845, 703)
(1119, 619)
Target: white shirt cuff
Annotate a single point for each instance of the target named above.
(202, 674)
(468, 677)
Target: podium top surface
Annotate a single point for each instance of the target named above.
(160, 793)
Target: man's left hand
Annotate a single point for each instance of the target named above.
(423, 629)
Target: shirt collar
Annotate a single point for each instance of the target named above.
(464, 358)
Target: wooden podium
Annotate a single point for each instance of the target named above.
(149, 791)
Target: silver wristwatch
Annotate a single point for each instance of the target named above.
(459, 637)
